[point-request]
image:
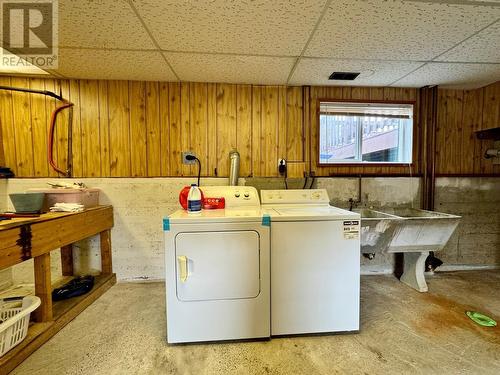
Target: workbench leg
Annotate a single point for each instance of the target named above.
(106, 260)
(43, 287)
(67, 260)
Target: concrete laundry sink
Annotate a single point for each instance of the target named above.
(421, 230)
(377, 230)
(418, 232)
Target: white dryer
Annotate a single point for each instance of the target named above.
(217, 270)
(315, 269)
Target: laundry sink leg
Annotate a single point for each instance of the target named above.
(414, 266)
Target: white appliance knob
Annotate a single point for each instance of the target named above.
(237, 195)
(246, 195)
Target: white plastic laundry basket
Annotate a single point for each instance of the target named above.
(14, 323)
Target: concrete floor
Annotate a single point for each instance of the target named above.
(402, 331)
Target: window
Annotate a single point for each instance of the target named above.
(365, 132)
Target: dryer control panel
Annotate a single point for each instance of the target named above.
(234, 196)
(295, 196)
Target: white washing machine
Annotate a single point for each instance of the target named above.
(217, 270)
(315, 255)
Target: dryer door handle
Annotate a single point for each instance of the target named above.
(183, 267)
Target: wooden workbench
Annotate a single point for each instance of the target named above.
(34, 238)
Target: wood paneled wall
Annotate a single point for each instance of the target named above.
(460, 114)
(131, 128)
(135, 129)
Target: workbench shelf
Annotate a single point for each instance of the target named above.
(34, 238)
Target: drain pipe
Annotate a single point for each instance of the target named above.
(355, 203)
(234, 167)
(429, 118)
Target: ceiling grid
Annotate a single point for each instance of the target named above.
(412, 43)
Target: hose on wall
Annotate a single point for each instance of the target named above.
(50, 144)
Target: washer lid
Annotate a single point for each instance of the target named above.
(310, 213)
(228, 215)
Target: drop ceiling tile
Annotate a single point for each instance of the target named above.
(453, 76)
(126, 65)
(230, 68)
(261, 27)
(482, 47)
(396, 30)
(101, 24)
(313, 71)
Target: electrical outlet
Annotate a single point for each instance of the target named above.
(187, 153)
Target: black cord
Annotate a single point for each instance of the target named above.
(312, 182)
(305, 182)
(199, 169)
(286, 176)
(192, 157)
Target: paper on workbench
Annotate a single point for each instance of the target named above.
(67, 207)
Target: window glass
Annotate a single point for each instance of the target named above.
(365, 132)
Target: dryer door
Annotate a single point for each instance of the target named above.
(217, 265)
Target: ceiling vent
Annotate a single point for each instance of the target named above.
(343, 76)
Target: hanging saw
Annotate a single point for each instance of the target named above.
(53, 120)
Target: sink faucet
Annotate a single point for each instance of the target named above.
(354, 203)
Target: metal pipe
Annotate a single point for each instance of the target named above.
(234, 167)
(428, 118)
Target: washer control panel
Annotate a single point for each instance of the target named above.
(295, 196)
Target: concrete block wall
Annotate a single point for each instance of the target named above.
(137, 237)
(388, 191)
(477, 238)
(141, 203)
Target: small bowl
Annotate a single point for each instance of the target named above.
(27, 202)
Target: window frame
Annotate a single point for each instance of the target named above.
(365, 163)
